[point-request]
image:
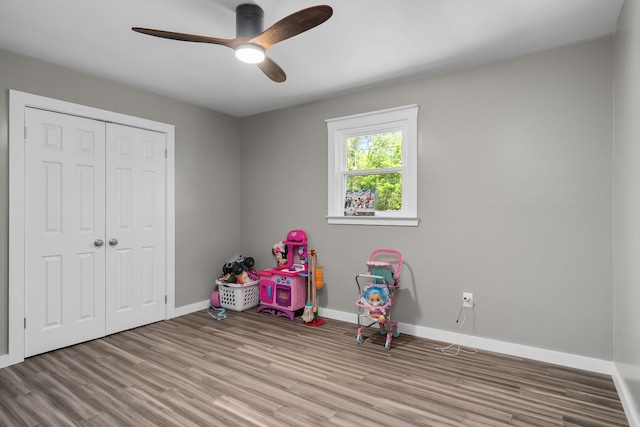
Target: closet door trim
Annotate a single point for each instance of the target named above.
(18, 101)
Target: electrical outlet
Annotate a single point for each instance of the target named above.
(467, 299)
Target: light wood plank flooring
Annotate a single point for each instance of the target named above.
(256, 369)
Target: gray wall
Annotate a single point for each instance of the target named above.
(626, 326)
(207, 161)
(515, 190)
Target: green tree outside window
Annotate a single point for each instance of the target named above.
(372, 164)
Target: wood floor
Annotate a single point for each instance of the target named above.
(256, 369)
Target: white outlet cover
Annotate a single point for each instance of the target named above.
(467, 299)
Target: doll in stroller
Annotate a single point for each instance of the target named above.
(377, 291)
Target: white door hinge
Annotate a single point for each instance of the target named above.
(165, 153)
(25, 323)
(25, 132)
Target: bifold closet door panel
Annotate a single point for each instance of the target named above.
(135, 227)
(65, 230)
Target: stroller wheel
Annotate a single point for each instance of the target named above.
(395, 332)
(387, 344)
(359, 339)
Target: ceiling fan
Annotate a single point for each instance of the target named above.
(251, 41)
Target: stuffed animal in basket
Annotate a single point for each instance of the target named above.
(375, 298)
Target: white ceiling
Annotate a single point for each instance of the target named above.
(365, 42)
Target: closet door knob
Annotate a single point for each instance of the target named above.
(98, 242)
(113, 242)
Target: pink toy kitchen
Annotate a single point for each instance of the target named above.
(283, 288)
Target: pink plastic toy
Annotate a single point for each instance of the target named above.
(215, 299)
(377, 291)
(282, 289)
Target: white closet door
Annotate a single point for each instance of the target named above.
(64, 217)
(135, 227)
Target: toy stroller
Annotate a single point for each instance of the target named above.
(377, 291)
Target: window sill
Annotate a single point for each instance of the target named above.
(354, 220)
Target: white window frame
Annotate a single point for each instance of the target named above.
(403, 119)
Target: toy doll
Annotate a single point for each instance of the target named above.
(280, 252)
(374, 299)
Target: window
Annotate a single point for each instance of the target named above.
(373, 175)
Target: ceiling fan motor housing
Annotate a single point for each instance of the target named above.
(249, 20)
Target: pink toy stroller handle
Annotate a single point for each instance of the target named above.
(389, 251)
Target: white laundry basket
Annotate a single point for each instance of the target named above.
(239, 297)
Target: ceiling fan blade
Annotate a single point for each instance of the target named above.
(188, 37)
(292, 25)
(272, 70)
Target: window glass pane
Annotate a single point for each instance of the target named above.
(366, 194)
(383, 150)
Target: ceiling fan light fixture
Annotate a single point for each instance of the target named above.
(250, 53)
(251, 41)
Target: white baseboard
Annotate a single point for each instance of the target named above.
(4, 361)
(630, 408)
(338, 315)
(527, 352)
(186, 309)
